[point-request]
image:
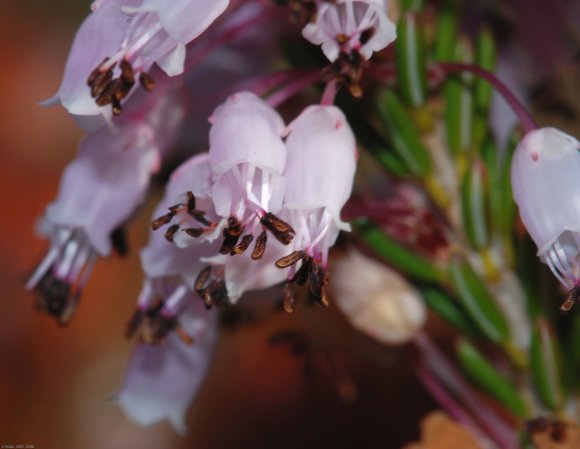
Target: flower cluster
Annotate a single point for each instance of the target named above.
(263, 206)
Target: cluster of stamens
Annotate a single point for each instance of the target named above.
(347, 70)
(153, 325)
(107, 89)
(572, 298)
(213, 292)
(310, 271)
(189, 208)
(54, 296)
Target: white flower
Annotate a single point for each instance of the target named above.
(99, 191)
(319, 176)
(161, 381)
(119, 42)
(377, 300)
(545, 176)
(349, 26)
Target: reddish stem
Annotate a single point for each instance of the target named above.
(516, 105)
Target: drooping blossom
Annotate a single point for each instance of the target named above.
(99, 191)
(377, 300)
(546, 188)
(247, 157)
(349, 31)
(170, 271)
(176, 332)
(118, 43)
(319, 176)
(161, 381)
(347, 26)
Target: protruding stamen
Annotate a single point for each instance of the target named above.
(243, 245)
(170, 233)
(154, 324)
(289, 299)
(281, 230)
(290, 259)
(201, 279)
(161, 221)
(259, 246)
(572, 298)
(216, 294)
(55, 297)
(231, 235)
(194, 232)
(146, 81)
(366, 35)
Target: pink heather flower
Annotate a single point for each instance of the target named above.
(247, 157)
(119, 42)
(319, 176)
(546, 186)
(348, 26)
(99, 191)
(161, 381)
(380, 303)
(246, 160)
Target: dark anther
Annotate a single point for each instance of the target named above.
(366, 35)
(318, 280)
(190, 202)
(229, 243)
(243, 245)
(234, 227)
(54, 296)
(572, 298)
(231, 235)
(163, 220)
(216, 294)
(170, 233)
(101, 82)
(116, 106)
(109, 90)
(290, 259)
(95, 74)
(281, 230)
(347, 71)
(146, 82)
(194, 232)
(152, 326)
(289, 299)
(119, 241)
(341, 39)
(198, 216)
(259, 246)
(301, 276)
(201, 279)
(127, 73)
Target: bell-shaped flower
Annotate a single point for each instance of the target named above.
(99, 191)
(546, 188)
(351, 26)
(377, 300)
(161, 381)
(119, 42)
(247, 157)
(319, 176)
